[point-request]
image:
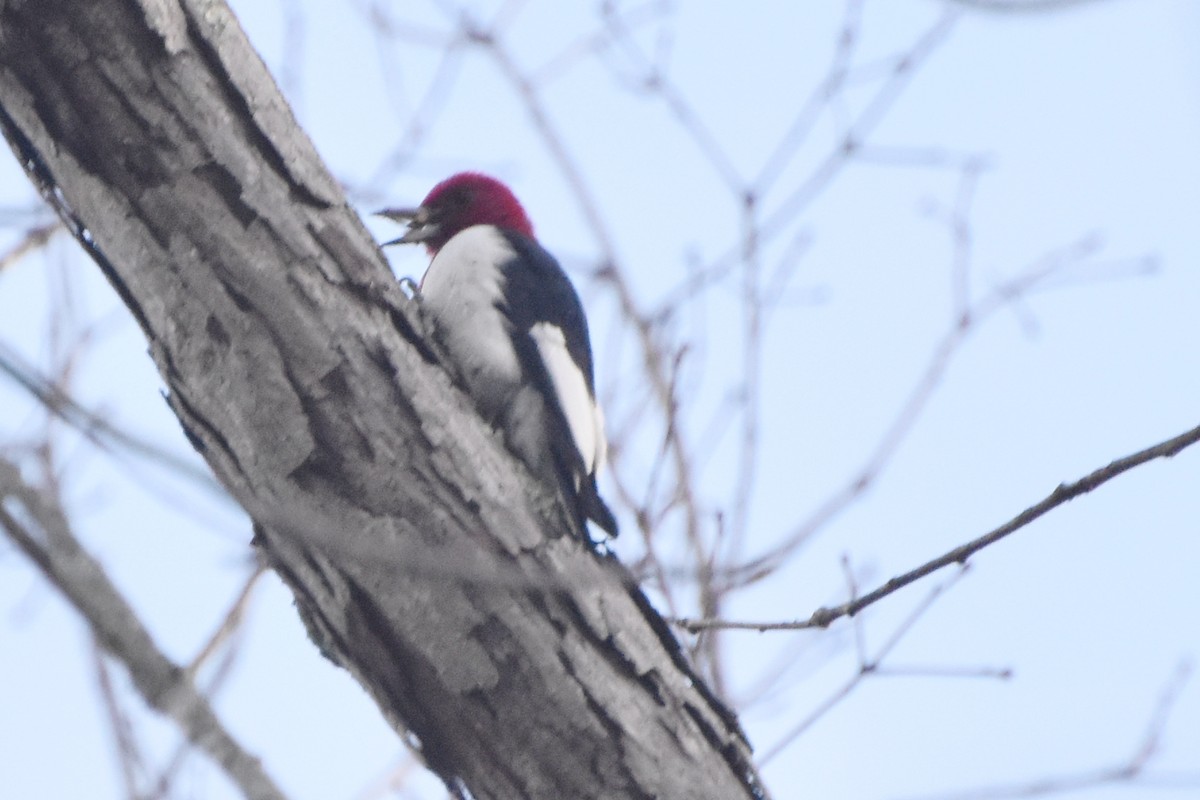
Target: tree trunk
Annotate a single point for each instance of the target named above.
(423, 558)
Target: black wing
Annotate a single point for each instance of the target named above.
(537, 290)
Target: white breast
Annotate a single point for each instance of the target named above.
(461, 289)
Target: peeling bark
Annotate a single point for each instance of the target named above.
(423, 558)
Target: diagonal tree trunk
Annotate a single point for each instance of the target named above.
(423, 559)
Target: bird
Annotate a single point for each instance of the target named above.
(509, 318)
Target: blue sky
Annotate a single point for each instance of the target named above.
(1088, 121)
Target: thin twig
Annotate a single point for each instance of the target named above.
(230, 622)
(823, 617)
(966, 322)
(128, 753)
(866, 667)
(98, 430)
(33, 239)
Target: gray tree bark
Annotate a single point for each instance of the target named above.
(423, 558)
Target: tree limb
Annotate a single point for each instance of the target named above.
(40, 530)
(302, 374)
(1065, 492)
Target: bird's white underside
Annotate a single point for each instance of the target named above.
(463, 283)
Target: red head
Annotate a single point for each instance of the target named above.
(457, 203)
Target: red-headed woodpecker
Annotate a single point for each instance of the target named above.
(510, 319)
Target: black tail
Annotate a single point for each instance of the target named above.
(594, 508)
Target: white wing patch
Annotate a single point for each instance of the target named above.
(584, 417)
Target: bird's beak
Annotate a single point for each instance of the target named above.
(421, 225)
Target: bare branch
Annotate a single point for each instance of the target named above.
(34, 238)
(96, 428)
(129, 755)
(40, 530)
(867, 666)
(229, 623)
(964, 322)
(1065, 492)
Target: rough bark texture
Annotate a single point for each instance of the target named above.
(422, 557)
